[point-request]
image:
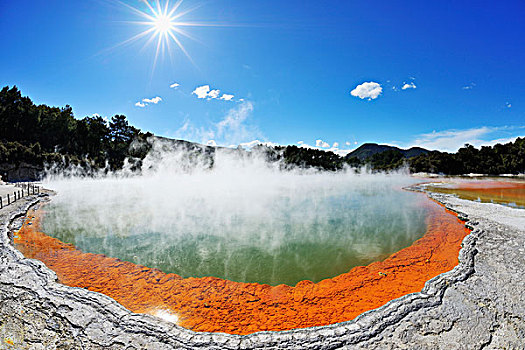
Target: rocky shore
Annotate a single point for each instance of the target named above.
(479, 304)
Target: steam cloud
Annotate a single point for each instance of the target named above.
(242, 218)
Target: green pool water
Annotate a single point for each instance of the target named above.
(308, 230)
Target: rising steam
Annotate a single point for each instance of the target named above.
(232, 214)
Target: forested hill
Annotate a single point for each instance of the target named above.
(367, 150)
(33, 135)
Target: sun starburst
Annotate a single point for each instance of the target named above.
(164, 24)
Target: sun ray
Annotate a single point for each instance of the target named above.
(182, 47)
(166, 7)
(175, 7)
(140, 13)
(151, 8)
(159, 9)
(159, 42)
(187, 35)
(166, 21)
(183, 13)
(126, 42)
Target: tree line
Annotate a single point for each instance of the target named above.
(499, 159)
(39, 134)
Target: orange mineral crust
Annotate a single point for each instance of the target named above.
(216, 305)
(488, 191)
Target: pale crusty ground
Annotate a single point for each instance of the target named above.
(478, 305)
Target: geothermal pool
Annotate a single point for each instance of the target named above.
(185, 244)
(249, 225)
(279, 227)
(510, 192)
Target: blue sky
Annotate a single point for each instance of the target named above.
(296, 69)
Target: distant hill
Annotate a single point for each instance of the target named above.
(367, 150)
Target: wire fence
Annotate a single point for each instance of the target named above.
(22, 189)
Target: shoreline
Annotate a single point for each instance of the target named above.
(366, 330)
(211, 304)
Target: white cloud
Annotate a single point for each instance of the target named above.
(251, 144)
(174, 85)
(321, 143)
(140, 104)
(368, 90)
(214, 93)
(154, 100)
(205, 91)
(324, 146)
(211, 143)
(347, 143)
(227, 97)
(508, 104)
(411, 85)
(201, 91)
(469, 86)
(452, 140)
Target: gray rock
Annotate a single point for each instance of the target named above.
(480, 304)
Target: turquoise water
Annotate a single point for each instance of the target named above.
(302, 229)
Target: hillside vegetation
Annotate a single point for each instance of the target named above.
(34, 135)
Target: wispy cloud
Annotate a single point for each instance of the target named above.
(453, 139)
(234, 129)
(174, 85)
(368, 90)
(469, 86)
(140, 104)
(205, 92)
(508, 104)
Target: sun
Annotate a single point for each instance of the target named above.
(164, 24)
